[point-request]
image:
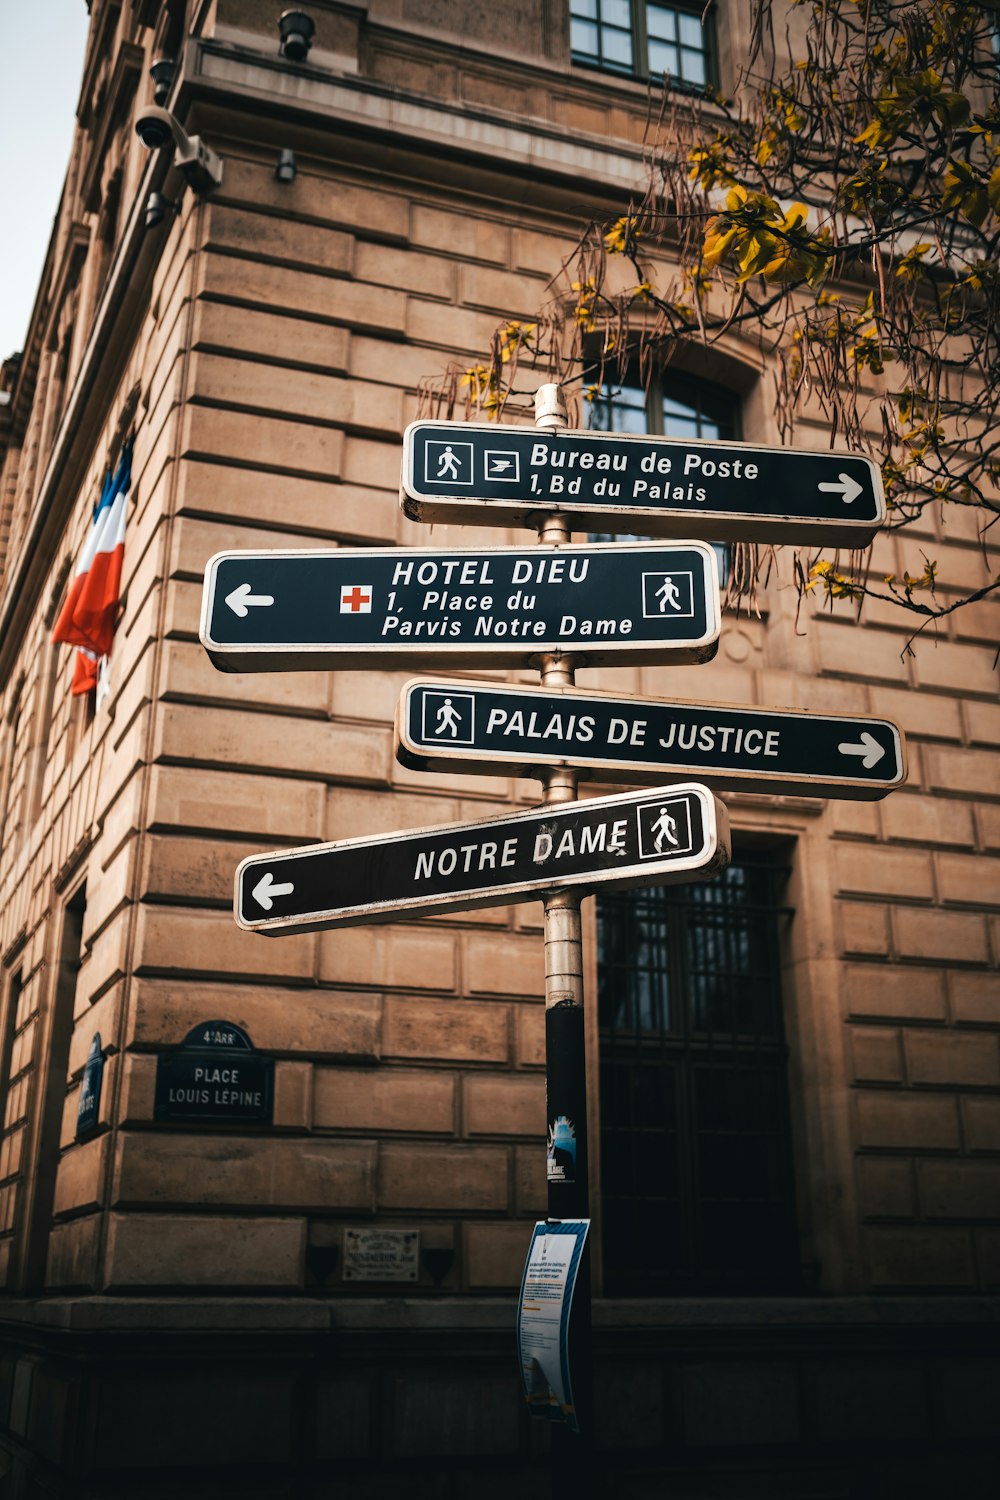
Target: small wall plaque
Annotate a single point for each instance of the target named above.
(88, 1107)
(216, 1076)
(381, 1254)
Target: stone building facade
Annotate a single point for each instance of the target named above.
(175, 1298)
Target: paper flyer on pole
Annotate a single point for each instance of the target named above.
(543, 1317)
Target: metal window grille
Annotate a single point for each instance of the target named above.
(696, 1167)
(640, 38)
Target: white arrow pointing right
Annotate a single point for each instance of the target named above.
(265, 889)
(241, 599)
(847, 488)
(869, 748)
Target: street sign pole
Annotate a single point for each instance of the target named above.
(568, 1185)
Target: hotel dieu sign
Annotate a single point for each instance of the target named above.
(404, 607)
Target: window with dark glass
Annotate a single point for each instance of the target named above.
(677, 405)
(696, 1168)
(644, 40)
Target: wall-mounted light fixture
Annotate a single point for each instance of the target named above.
(157, 208)
(162, 73)
(296, 31)
(286, 169)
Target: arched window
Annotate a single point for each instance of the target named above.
(676, 405)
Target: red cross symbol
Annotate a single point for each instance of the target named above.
(356, 599)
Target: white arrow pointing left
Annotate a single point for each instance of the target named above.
(869, 748)
(266, 888)
(241, 600)
(847, 488)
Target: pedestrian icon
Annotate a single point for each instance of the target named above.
(448, 467)
(667, 595)
(448, 463)
(503, 464)
(448, 721)
(664, 827)
(449, 717)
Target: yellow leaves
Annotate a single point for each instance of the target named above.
(765, 241)
(699, 282)
(910, 267)
(966, 192)
(870, 352)
(484, 388)
(870, 190)
(837, 585)
(710, 165)
(644, 292)
(923, 94)
(793, 116)
(621, 237)
(911, 584)
(719, 237)
(911, 404)
(879, 132)
(915, 100)
(514, 336)
(478, 379)
(583, 312)
(893, 478)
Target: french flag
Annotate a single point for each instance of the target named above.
(87, 619)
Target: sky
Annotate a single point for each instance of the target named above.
(41, 64)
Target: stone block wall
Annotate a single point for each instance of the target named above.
(290, 326)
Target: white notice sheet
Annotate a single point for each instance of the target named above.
(543, 1316)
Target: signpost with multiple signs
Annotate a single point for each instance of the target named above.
(602, 481)
(478, 727)
(557, 606)
(393, 606)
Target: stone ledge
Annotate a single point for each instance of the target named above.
(489, 1314)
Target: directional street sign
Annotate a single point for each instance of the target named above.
(676, 834)
(400, 606)
(726, 491)
(467, 726)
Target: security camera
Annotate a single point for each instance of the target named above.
(156, 127)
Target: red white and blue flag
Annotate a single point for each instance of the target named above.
(87, 619)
